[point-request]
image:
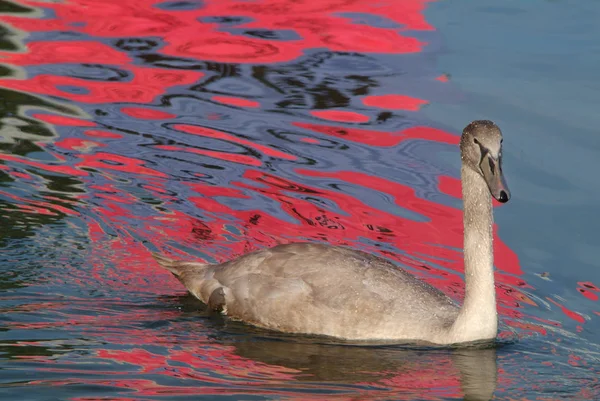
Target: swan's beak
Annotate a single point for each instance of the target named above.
(491, 168)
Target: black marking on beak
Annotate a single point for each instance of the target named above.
(482, 149)
(492, 165)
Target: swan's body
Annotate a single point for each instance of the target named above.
(349, 294)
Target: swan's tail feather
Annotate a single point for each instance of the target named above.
(179, 268)
(191, 274)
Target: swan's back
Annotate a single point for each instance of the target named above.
(321, 289)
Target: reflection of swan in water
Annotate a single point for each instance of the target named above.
(414, 371)
(406, 372)
(344, 293)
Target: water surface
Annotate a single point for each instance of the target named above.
(210, 129)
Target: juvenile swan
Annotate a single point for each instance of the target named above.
(353, 295)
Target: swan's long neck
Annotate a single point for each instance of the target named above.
(477, 319)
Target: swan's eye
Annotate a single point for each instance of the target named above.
(475, 141)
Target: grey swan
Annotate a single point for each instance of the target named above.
(334, 291)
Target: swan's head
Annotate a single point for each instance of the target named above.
(481, 150)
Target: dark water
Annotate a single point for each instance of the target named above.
(208, 129)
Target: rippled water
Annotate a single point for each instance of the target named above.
(207, 129)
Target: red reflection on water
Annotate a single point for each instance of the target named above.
(572, 314)
(18, 174)
(587, 286)
(108, 161)
(341, 116)
(589, 295)
(146, 114)
(80, 145)
(381, 138)
(231, 157)
(394, 102)
(102, 134)
(528, 328)
(317, 26)
(212, 133)
(235, 101)
(44, 52)
(429, 377)
(145, 85)
(445, 225)
(227, 49)
(63, 120)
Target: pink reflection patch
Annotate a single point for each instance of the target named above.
(394, 102)
(21, 175)
(146, 84)
(59, 52)
(108, 161)
(341, 116)
(146, 114)
(78, 144)
(232, 157)
(382, 138)
(211, 133)
(224, 48)
(236, 101)
(446, 226)
(102, 134)
(588, 294)
(573, 315)
(589, 285)
(64, 121)
(528, 327)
